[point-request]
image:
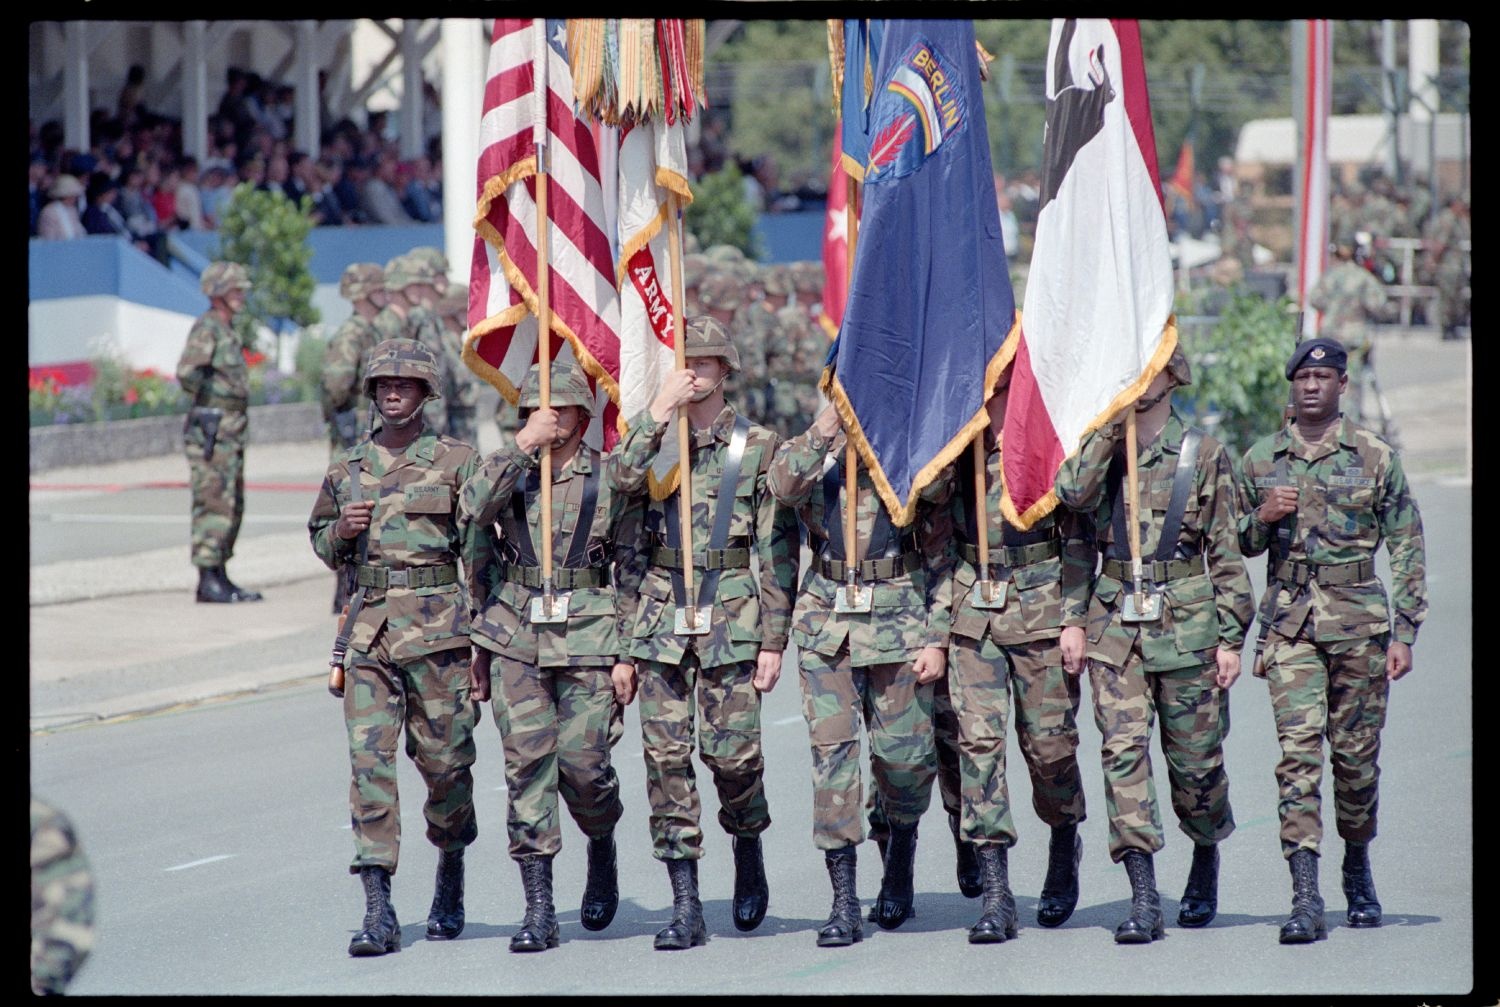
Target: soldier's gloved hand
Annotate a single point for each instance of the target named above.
(767, 670)
(1397, 660)
(1279, 502)
(354, 519)
(1072, 644)
(676, 389)
(479, 675)
(828, 423)
(623, 677)
(930, 665)
(1228, 661)
(540, 429)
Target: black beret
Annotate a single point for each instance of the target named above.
(1320, 352)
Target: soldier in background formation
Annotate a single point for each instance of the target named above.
(1321, 495)
(1449, 260)
(461, 393)
(1167, 648)
(561, 686)
(213, 372)
(408, 658)
(1349, 297)
(703, 662)
(409, 286)
(62, 901)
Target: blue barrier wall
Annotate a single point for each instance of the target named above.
(333, 248)
(108, 266)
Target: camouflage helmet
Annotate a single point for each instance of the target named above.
(776, 280)
(1177, 366)
(707, 337)
(749, 271)
(403, 358)
(401, 272)
(360, 279)
(432, 257)
(569, 387)
(690, 244)
(455, 301)
(222, 277)
(694, 268)
(807, 277)
(724, 253)
(720, 288)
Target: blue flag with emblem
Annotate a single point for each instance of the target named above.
(862, 39)
(930, 305)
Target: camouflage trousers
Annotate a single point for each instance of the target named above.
(1450, 282)
(945, 745)
(430, 698)
(1336, 690)
(558, 726)
(1194, 715)
(897, 713)
(983, 680)
(728, 735)
(218, 487)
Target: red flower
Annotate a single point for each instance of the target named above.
(253, 358)
(132, 396)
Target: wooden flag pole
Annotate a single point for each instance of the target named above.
(544, 358)
(982, 517)
(1132, 508)
(684, 485)
(851, 457)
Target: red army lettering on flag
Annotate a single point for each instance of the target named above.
(642, 272)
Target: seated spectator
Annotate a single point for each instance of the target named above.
(102, 215)
(327, 210)
(140, 215)
(348, 186)
(131, 112)
(188, 200)
(278, 176)
(215, 193)
(378, 198)
(59, 219)
(37, 187)
(422, 196)
(162, 187)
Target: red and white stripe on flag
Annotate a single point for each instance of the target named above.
(835, 244)
(1096, 323)
(1312, 237)
(528, 103)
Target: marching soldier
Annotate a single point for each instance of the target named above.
(212, 370)
(878, 664)
(1167, 649)
(62, 901)
(408, 664)
(1023, 643)
(406, 316)
(1349, 296)
(563, 676)
(725, 644)
(462, 390)
(1444, 240)
(1322, 495)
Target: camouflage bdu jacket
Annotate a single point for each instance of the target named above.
(1048, 568)
(425, 327)
(212, 371)
(600, 618)
(1351, 494)
(748, 615)
(1345, 294)
(415, 524)
(344, 364)
(911, 609)
(1202, 610)
(62, 901)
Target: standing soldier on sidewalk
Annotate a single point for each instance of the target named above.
(1350, 297)
(1321, 495)
(1176, 657)
(1030, 646)
(878, 665)
(408, 664)
(406, 316)
(1444, 240)
(721, 672)
(212, 370)
(562, 685)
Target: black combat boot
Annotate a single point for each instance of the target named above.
(601, 893)
(751, 892)
(969, 881)
(1200, 899)
(843, 927)
(539, 927)
(1144, 924)
(445, 920)
(380, 933)
(686, 929)
(894, 903)
(1305, 925)
(1359, 886)
(1060, 889)
(212, 587)
(240, 593)
(997, 923)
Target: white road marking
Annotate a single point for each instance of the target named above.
(798, 719)
(200, 863)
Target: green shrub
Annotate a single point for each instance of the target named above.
(1239, 368)
(719, 215)
(267, 233)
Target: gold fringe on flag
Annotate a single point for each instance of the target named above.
(836, 61)
(586, 58)
(985, 59)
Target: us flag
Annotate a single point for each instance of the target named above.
(528, 104)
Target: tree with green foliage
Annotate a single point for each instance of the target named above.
(267, 234)
(719, 214)
(1239, 368)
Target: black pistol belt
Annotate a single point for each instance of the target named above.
(884, 568)
(564, 578)
(1015, 555)
(737, 558)
(383, 577)
(1291, 571)
(1156, 571)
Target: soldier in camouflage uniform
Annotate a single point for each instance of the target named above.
(721, 295)
(1178, 667)
(562, 686)
(408, 658)
(461, 395)
(878, 666)
(1321, 495)
(1444, 240)
(213, 372)
(739, 657)
(1348, 296)
(694, 268)
(62, 901)
(1020, 649)
(406, 316)
(453, 311)
(784, 405)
